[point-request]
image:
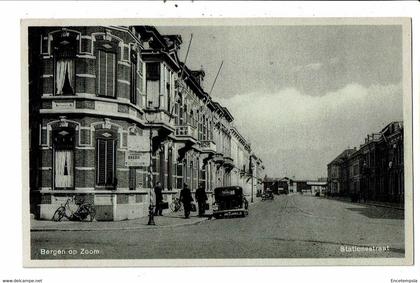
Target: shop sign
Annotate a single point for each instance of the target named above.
(63, 104)
(137, 158)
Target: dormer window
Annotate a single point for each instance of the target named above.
(153, 83)
(64, 48)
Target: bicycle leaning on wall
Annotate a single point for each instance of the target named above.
(84, 211)
(176, 205)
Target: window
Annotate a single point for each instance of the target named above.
(141, 81)
(205, 128)
(63, 144)
(168, 93)
(177, 114)
(133, 81)
(106, 70)
(200, 127)
(191, 118)
(153, 71)
(132, 178)
(105, 158)
(202, 181)
(169, 168)
(179, 175)
(191, 174)
(153, 85)
(64, 48)
(181, 116)
(356, 169)
(140, 66)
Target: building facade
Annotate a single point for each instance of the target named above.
(375, 171)
(112, 112)
(338, 174)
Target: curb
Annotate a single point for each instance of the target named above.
(383, 205)
(368, 204)
(142, 227)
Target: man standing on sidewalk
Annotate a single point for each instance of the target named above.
(159, 199)
(186, 199)
(201, 198)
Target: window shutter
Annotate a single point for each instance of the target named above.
(132, 178)
(133, 83)
(110, 162)
(101, 146)
(110, 74)
(101, 72)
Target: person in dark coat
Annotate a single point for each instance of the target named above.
(186, 199)
(158, 198)
(201, 198)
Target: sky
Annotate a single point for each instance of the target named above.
(301, 94)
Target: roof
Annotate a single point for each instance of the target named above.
(316, 183)
(152, 32)
(345, 154)
(392, 127)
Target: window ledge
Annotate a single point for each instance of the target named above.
(90, 191)
(95, 98)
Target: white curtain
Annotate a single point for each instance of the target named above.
(60, 75)
(64, 168)
(70, 72)
(64, 66)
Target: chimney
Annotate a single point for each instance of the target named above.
(199, 75)
(173, 41)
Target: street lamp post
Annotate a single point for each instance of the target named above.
(151, 212)
(252, 181)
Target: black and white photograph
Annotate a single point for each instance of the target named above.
(210, 141)
(219, 141)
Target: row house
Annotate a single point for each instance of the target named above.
(338, 173)
(241, 153)
(375, 171)
(112, 112)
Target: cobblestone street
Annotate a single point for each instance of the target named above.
(290, 226)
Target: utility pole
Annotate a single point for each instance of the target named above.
(151, 212)
(215, 79)
(252, 178)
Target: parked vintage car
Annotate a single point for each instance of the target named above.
(229, 201)
(267, 195)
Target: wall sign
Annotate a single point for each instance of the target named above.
(137, 158)
(63, 104)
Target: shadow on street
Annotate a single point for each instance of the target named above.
(375, 212)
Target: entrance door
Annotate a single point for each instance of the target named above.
(63, 154)
(64, 174)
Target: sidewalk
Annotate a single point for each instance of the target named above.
(167, 221)
(399, 206)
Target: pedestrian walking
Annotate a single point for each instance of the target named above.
(186, 199)
(201, 198)
(158, 199)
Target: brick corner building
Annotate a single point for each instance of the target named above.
(112, 110)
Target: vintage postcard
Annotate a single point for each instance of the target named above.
(217, 142)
